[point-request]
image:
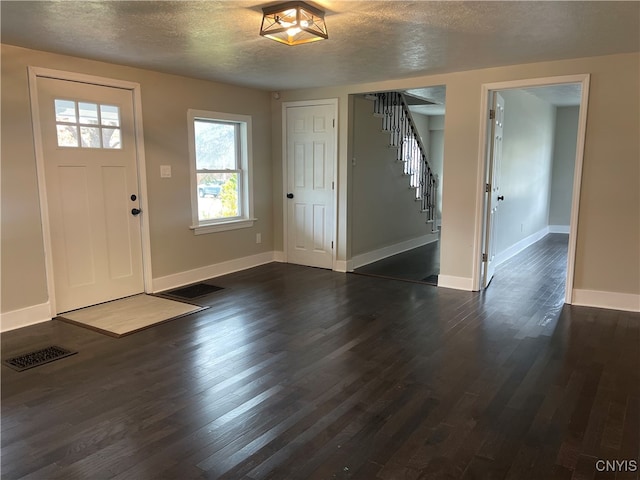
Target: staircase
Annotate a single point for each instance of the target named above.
(396, 117)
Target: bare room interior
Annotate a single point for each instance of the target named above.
(315, 240)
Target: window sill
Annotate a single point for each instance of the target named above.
(223, 226)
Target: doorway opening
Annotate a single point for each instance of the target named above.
(530, 171)
(396, 152)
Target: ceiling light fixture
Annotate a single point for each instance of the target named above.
(293, 23)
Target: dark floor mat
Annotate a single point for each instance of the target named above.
(193, 291)
(37, 358)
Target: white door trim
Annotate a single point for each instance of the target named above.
(583, 79)
(308, 103)
(34, 73)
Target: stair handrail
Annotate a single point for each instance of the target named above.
(428, 181)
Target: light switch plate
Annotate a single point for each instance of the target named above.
(165, 171)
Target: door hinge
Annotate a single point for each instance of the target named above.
(332, 245)
(487, 188)
(334, 123)
(333, 185)
(484, 257)
(492, 114)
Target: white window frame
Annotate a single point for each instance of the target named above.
(245, 183)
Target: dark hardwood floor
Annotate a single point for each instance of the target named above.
(302, 373)
(416, 265)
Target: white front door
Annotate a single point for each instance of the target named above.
(310, 159)
(89, 152)
(493, 182)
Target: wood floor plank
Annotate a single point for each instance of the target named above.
(298, 373)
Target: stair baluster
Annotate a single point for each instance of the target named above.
(397, 120)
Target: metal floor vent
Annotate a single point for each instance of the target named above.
(37, 358)
(193, 291)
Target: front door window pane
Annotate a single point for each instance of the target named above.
(111, 138)
(110, 115)
(90, 137)
(67, 135)
(88, 113)
(66, 111)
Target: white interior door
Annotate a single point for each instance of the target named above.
(91, 181)
(493, 182)
(310, 158)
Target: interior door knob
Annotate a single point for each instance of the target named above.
(289, 195)
(135, 211)
(501, 197)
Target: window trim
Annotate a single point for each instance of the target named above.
(245, 185)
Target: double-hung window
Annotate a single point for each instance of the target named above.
(220, 151)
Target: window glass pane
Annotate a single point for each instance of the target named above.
(110, 115)
(217, 196)
(90, 137)
(215, 145)
(65, 111)
(111, 138)
(88, 113)
(67, 135)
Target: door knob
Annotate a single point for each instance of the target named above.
(135, 211)
(501, 197)
(289, 195)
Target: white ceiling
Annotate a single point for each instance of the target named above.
(368, 40)
(567, 95)
(436, 95)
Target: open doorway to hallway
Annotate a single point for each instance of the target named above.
(396, 210)
(533, 165)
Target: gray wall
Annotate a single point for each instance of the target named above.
(165, 100)
(422, 124)
(610, 193)
(564, 157)
(436, 153)
(538, 161)
(385, 210)
(527, 154)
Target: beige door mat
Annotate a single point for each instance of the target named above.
(129, 315)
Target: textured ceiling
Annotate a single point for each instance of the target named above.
(568, 95)
(368, 40)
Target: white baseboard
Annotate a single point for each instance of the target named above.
(559, 229)
(24, 317)
(519, 246)
(203, 273)
(615, 301)
(384, 252)
(42, 313)
(340, 266)
(457, 283)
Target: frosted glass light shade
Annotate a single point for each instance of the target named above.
(293, 23)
